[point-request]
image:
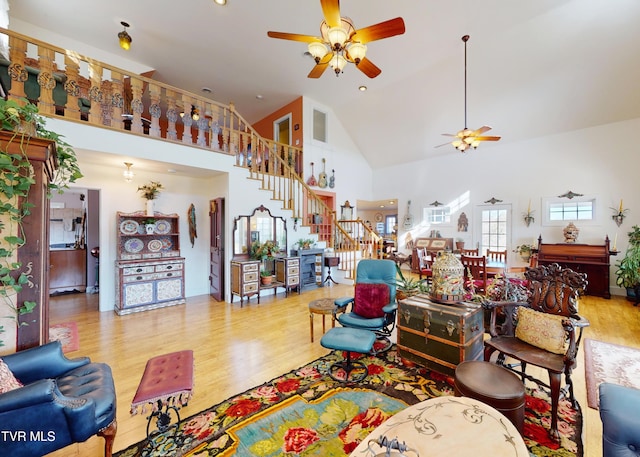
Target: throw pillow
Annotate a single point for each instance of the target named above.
(369, 299)
(541, 330)
(7, 380)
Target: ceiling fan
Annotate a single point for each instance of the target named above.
(340, 42)
(467, 138)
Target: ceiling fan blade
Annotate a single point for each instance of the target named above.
(481, 130)
(293, 37)
(320, 67)
(486, 138)
(385, 29)
(450, 134)
(368, 68)
(443, 144)
(331, 11)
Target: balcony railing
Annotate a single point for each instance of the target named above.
(68, 85)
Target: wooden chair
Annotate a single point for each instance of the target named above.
(542, 331)
(470, 251)
(497, 256)
(475, 269)
(425, 263)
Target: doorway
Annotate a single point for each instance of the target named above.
(216, 248)
(282, 130)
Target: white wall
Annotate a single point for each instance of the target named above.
(597, 161)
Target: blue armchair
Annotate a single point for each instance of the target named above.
(373, 306)
(62, 401)
(620, 415)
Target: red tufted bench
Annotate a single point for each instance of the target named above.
(166, 385)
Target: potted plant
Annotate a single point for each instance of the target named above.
(525, 251)
(306, 243)
(266, 277)
(408, 286)
(628, 272)
(149, 225)
(21, 119)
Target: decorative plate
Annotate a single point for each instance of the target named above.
(154, 245)
(129, 227)
(166, 244)
(133, 245)
(163, 226)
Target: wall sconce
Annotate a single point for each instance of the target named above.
(619, 214)
(528, 216)
(128, 174)
(124, 38)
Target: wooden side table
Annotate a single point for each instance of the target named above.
(330, 262)
(321, 306)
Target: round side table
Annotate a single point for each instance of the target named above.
(323, 306)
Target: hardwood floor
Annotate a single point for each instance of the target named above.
(236, 348)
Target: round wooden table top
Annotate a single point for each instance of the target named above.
(322, 306)
(458, 426)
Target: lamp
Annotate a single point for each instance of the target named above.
(337, 43)
(124, 38)
(128, 174)
(194, 113)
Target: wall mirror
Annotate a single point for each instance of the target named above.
(259, 226)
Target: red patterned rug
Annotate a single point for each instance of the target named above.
(606, 362)
(304, 413)
(67, 334)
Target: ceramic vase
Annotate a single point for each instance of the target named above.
(150, 208)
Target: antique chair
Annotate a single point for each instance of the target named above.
(53, 401)
(497, 256)
(470, 251)
(475, 271)
(542, 331)
(373, 306)
(425, 262)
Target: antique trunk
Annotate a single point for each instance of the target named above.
(439, 336)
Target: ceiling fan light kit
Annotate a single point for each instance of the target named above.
(467, 138)
(340, 43)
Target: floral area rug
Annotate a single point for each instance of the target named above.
(306, 413)
(606, 362)
(67, 334)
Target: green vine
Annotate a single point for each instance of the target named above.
(16, 180)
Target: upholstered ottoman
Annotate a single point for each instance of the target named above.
(348, 340)
(166, 385)
(494, 385)
(620, 415)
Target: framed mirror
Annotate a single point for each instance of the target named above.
(259, 226)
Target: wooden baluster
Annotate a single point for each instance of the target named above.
(137, 107)
(172, 114)
(187, 120)
(95, 93)
(215, 128)
(46, 80)
(106, 107)
(202, 123)
(155, 111)
(17, 71)
(117, 100)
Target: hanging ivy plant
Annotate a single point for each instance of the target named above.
(16, 179)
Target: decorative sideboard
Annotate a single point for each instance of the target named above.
(245, 279)
(149, 269)
(582, 258)
(288, 272)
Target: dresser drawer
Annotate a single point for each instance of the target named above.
(251, 276)
(138, 270)
(250, 267)
(293, 271)
(248, 288)
(138, 278)
(168, 267)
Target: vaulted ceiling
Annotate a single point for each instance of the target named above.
(535, 67)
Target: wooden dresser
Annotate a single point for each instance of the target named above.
(245, 279)
(592, 259)
(288, 272)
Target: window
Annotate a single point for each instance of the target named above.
(559, 211)
(438, 215)
(319, 126)
(390, 223)
(494, 228)
(571, 211)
